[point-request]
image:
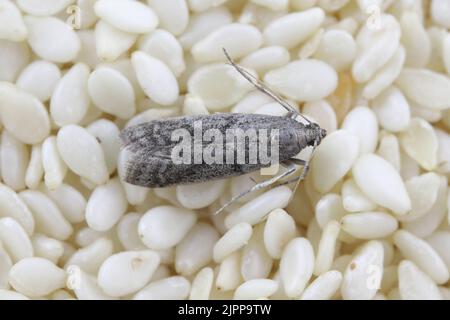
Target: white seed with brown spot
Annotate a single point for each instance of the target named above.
(127, 272)
(165, 226)
(363, 275)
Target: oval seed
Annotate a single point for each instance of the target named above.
(49, 220)
(386, 75)
(423, 191)
(11, 295)
(323, 287)
(127, 232)
(35, 169)
(415, 39)
(415, 284)
(362, 277)
(15, 239)
(279, 230)
(85, 286)
(255, 210)
(369, 225)
(337, 48)
(375, 47)
(36, 277)
(294, 28)
(440, 12)
(70, 99)
(195, 251)
(91, 257)
(11, 205)
(111, 42)
(173, 14)
(326, 249)
(39, 78)
(303, 80)
(200, 195)
(255, 261)
(379, 180)
(14, 161)
(389, 149)
(70, 201)
(127, 272)
(44, 7)
(112, 93)
(256, 289)
(106, 205)
(14, 56)
(343, 148)
(296, 266)
(13, 28)
(363, 123)
(354, 200)
(233, 240)
(164, 46)
(422, 254)
(218, 85)
(239, 40)
(420, 142)
(48, 248)
(202, 285)
(329, 208)
(155, 78)
(19, 107)
(82, 153)
(427, 88)
(392, 110)
(322, 113)
(128, 16)
(266, 59)
(229, 276)
(54, 167)
(52, 39)
(202, 23)
(439, 240)
(5, 267)
(173, 288)
(428, 223)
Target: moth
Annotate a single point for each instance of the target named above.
(193, 149)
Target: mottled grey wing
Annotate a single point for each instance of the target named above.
(149, 164)
(150, 146)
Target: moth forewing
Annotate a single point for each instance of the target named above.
(150, 147)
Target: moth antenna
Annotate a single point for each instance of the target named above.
(262, 87)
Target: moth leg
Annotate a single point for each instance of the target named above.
(288, 182)
(297, 180)
(299, 162)
(291, 168)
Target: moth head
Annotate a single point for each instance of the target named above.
(315, 134)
